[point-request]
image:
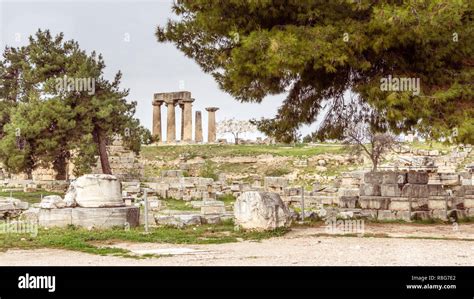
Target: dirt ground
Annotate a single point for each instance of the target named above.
(395, 245)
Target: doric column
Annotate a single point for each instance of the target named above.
(187, 119)
(211, 125)
(198, 128)
(157, 119)
(181, 105)
(171, 122)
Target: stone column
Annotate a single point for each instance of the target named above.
(157, 119)
(171, 124)
(211, 125)
(198, 128)
(187, 119)
(181, 105)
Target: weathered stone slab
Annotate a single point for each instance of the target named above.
(400, 205)
(417, 177)
(89, 217)
(350, 202)
(212, 207)
(391, 190)
(374, 202)
(55, 217)
(394, 178)
(385, 215)
(348, 192)
(449, 179)
(261, 211)
(106, 217)
(436, 204)
(211, 219)
(370, 190)
(373, 178)
(415, 191)
(436, 190)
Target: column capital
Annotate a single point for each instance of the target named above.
(183, 101)
(212, 109)
(157, 102)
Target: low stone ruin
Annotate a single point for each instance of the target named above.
(11, 207)
(93, 200)
(413, 195)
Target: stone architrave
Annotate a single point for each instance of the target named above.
(198, 129)
(211, 125)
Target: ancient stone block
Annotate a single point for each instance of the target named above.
(211, 219)
(403, 215)
(373, 178)
(438, 214)
(370, 190)
(385, 215)
(391, 190)
(261, 211)
(374, 202)
(394, 178)
(55, 217)
(399, 205)
(417, 177)
(436, 204)
(371, 214)
(349, 202)
(106, 217)
(469, 201)
(348, 192)
(419, 204)
(415, 191)
(212, 207)
(436, 190)
(450, 179)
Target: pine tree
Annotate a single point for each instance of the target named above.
(45, 122)
(317, 51)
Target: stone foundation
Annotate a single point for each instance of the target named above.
(90, 217)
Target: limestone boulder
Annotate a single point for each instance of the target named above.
(52, 202)
(261, 211)
(95, 191)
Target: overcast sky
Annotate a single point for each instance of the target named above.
(123, 31)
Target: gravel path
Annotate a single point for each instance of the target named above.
(300, 247)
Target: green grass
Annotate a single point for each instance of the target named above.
(31, 197)
(435, 145)
(228, 200)
(214, 150)
(83, 240)
(176, 204)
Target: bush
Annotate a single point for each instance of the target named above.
(208, 170)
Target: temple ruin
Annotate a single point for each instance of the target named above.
(184, 100)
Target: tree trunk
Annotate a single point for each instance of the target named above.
(236, 137)
(375, 165)
(104, 158)
(59, 166)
